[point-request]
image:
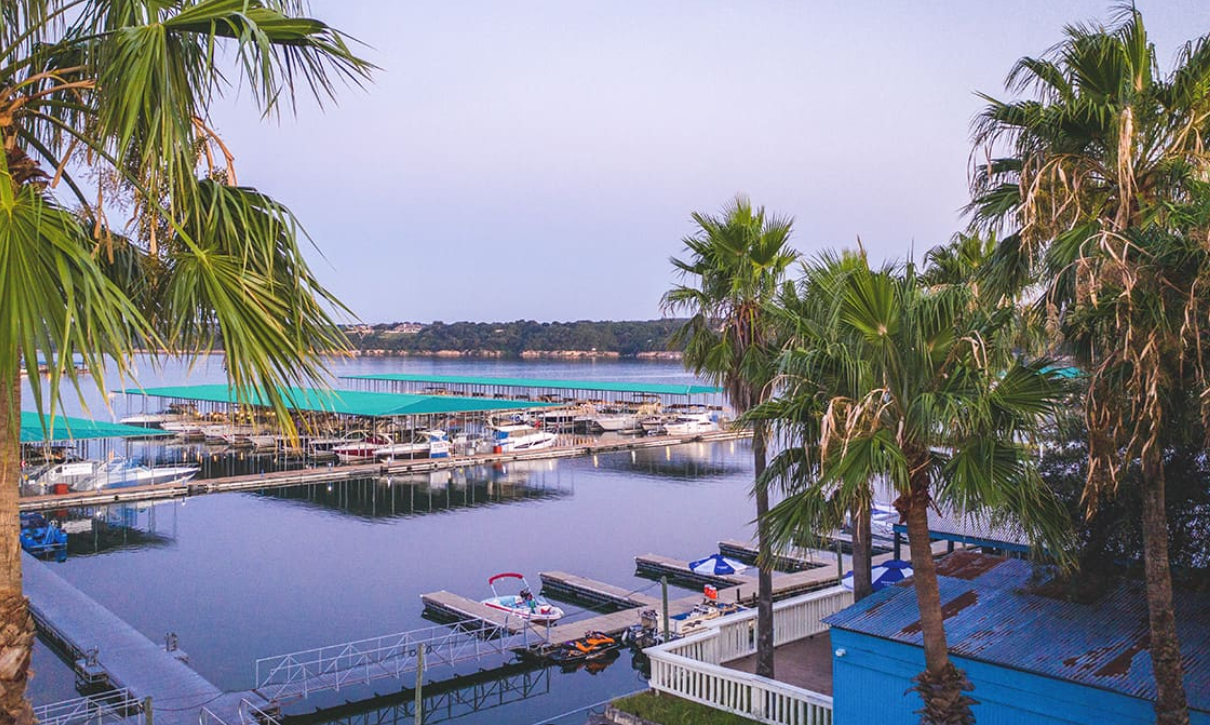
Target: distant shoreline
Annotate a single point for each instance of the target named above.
(664, 355)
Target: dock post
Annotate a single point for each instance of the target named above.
(664, 587)
(147, 716)
(898, 546)
(840, 563)
(420, 684)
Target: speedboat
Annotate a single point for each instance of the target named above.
(519, 437)
(420, 444)
(523, 604)
(97, 475)
(362, 450)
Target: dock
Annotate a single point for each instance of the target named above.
(655, 566)
(108, 650)
(454, 607)
(789, 561)
(570, 587)
(330, 474)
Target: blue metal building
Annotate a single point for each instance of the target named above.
(1032, 656)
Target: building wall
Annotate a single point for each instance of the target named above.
(870, 684)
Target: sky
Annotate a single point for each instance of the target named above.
(540, 160)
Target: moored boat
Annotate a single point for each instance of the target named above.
(519, 437)
(419, 444)
(524, 604)
(96, 475)
(362, 450)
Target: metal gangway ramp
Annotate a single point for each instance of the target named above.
(298, 674)
(128, 660)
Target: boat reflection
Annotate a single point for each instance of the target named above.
(396, 496)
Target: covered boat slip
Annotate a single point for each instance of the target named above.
(546, 389)
(52, 429)
(49, 437)
(317, 409)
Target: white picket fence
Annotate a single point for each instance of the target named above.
(691, 668)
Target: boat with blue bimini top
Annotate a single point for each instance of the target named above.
(524, 604)
(39, 536)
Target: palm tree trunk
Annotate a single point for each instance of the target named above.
(16, 624)
(941, 685)
(764, 594)
(863, 553)
(1171, 706)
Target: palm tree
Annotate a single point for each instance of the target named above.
(1096, 173)
(736, 264)
(105, 110)
(913, 385)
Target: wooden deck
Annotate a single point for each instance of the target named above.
(805, 663)
(128, 659)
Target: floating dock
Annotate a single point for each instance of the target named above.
(109, 650)
(454, 607)
(570, 587)
(326, 474)
(655, 566)
(800, 560)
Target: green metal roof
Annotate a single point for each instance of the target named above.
(62, 429)
(344, 402)
(550, 384)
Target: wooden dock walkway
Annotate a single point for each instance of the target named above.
(455, 607)
(571, 587)
(790, 561)
(325, 474)
(87, 630)
(656, 565)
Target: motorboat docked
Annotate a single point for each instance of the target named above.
(96, 475)
(689, 424)
(520, 437)
(575, 418)
(618, 418)
(362, 450)
(419, 444)
(39, 536)
(174, 413)
(524, 604)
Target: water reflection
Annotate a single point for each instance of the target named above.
(98, 530)
(693, 462)
(443, 701)
(385, 497)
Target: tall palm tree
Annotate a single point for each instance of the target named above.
(913, 385)
(1092, 172)
(737, 262)
(105, 112)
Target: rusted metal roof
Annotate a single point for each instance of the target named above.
(992, 616)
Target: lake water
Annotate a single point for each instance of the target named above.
(242, 576)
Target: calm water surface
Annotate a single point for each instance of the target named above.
(242, 576)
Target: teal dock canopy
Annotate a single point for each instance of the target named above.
(62, 429)
(341, 402)
(547, 384)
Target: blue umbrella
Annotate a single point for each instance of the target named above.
(885, 574)
(717, 565)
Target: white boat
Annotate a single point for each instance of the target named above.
(322, 447)
(176, 413)
(420, 444)
(523, 604)
(362, 450)
(97, 475)
(689, 424)
(519, 437)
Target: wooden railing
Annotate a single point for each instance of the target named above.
(691, 667)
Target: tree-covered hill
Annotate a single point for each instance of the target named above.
(520, 338)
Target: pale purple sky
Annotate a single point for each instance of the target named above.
(540, 160)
